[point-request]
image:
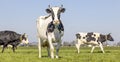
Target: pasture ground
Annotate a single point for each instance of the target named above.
(67, 54)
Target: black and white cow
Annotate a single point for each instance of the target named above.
(50, 29)
(12, 38)
(91, 38)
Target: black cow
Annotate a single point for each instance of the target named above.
(91, 38)
(12, 38)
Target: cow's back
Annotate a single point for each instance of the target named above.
(8, 36)
(89, 37)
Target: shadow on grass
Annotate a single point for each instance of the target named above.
(93, 52)
(45, 56)
(101, 52)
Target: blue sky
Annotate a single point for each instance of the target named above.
(101, 16)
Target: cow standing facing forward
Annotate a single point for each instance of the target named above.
(91, 38)
(50, 29)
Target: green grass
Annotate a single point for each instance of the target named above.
(67, 54)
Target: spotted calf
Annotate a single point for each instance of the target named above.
(91, 38)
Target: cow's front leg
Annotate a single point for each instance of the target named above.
(57, 48)
(78, 47)
(93, 47)
(5, 45)
(77, 44)
(51, 45)
(13, 47)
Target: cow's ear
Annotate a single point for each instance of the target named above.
(24, 34)
(48, 10)
(62, 10)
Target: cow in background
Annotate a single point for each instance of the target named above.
(12, 38)
(91, 38)
(50, 30)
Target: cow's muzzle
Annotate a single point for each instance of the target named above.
(56, 22)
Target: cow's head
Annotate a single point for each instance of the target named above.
(24, 38)
(55, 13)
(109, 37)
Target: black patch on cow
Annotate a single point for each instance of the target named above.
(9, 35)
(60, 27)
(78, 36)
(94, 35)
(83, 37)
(58, 14)
(98, 40)
(89, 34)
(1, 42)
(50, 11)
(89, 37)
(102, 38)
(50, 27)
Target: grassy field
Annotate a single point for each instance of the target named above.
(67, 54)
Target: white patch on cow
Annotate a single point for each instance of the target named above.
(55, 10)
(42, 24)
(82, 40)
(25, 41)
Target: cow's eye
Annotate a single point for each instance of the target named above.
(83, 37)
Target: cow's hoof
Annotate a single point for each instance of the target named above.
(39, 56)
(57, 56)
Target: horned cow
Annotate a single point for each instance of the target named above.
(50, 29)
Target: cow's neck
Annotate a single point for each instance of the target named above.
(103, 38)
(60, 27)
(20, 38)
